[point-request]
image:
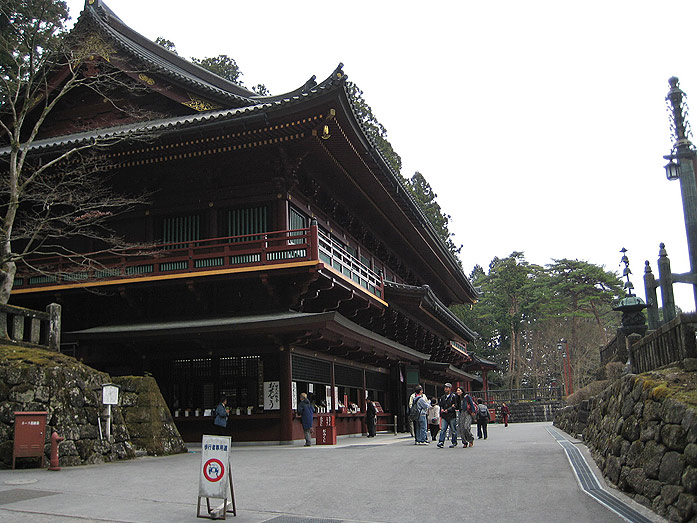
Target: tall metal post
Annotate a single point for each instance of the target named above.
(684, 152)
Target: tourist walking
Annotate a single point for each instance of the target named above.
(448, 414)
(464, 417)
(433, 416)
(371, 416)
(306, 411)
(222, 412)
(421, 406)
(505, 414)
(482, 418)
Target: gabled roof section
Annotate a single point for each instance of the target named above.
(157, 59)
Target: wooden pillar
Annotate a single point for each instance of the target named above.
(485, 383)
(333, 388)
(281, 213)
(286, 397)
(363, 404)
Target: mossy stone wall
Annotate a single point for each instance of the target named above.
(643, 441)
(147, 416)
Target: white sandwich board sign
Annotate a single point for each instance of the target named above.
(215, 476)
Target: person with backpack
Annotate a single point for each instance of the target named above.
(448, 413)
(482, 418)
(417, 414)
(464, 417)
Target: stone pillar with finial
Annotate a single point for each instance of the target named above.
(651, 297)
(665, 278)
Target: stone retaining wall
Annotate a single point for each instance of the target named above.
(147, 416)
(644, 444)
(70, 392)
(532, 411)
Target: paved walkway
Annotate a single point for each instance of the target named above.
(519, 473)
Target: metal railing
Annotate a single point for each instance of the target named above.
(258, 249)
(669, 343)
(526, 394)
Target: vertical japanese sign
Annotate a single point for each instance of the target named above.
(272, 395)
(328, 396)
(215, 465)
(294, 394)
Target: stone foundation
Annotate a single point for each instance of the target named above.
(531, 412)
(148, 419)
(70, 392)
(644, 444)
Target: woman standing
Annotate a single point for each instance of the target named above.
(464, 417)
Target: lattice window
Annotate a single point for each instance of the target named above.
(178, 229)
(247, 222)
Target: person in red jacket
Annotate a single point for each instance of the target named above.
(505, 413)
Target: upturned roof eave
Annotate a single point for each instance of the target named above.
(177, 123)
(410, 207)
(429, 299)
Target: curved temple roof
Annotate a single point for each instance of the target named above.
(240, 104)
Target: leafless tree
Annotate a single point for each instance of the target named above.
(52, 196)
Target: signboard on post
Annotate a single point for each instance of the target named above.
(215, 477)
(110, 396)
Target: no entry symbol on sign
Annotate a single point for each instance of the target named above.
(213, 470)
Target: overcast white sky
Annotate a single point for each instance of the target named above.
(541, 125)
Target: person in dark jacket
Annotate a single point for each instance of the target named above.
(371, 414)
(482, 418)
(221, 416)
(448, 416)
(306, 411)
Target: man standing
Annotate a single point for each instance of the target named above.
(448, 415)
(306, 411)
(370, 416)
(221, 415)
(482, 418)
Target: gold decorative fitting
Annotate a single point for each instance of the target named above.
(92, 46)
(325, 133)
(199, 104)
(90, 2)
(145, 78)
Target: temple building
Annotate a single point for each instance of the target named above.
(288, 256)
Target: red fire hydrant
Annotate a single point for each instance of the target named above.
(55, 440)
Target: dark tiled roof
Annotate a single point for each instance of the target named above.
(183, 122)
(437, 307)
(157, 58)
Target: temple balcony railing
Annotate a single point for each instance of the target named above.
(244, 252)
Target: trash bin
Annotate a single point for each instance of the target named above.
(30, 436)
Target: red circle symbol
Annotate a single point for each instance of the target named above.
(213, 470)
